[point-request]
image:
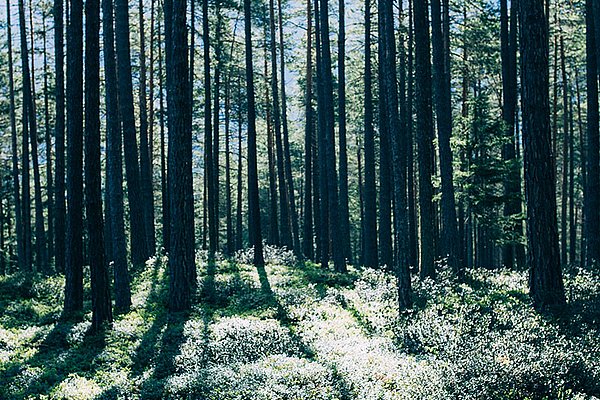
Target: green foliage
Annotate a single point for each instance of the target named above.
(296, 331)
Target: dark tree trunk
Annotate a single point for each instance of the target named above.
(100, 284)
(13, 139)
(545, 277)
(40, 234)
(216, 126)
(139, 245)
(114, 165)
(239, 224)
(229, 219)
(286, 141)
(592, 189)
(370, 195)
(329, 140)
(343, 146)
(307, 232)
(145, 166)
(182, 269)
(74, 242)
(389, 96)
(425, 136)
(59, 139)
(166, 228)
(209, 163)
(565, 161)
(513, 252)
(443, 105)
(253, 198)
(284, 203)
(273, 236)
(48, 142)
(412, 212)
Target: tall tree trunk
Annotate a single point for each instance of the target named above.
(166, 228)
(389, 95)
(592, 189)
(216, 126)
(145, 167)
(229, 221)
(74, 243)
(284, 202)
(182, 269)
(412, 211)
(209, 153)
(139, 245)
(239, 224)
(100, 284)
(343, 146)
(307, 228)
(425, 136)
(253, 195)
(114, 164)
(545, 277)
(273, 236)
(443, 105)
(286, 140)
(40, 233)
(565, 161)
(48, 140)
(59, 138)
(370, 234)
(14, 146)
(329, 136)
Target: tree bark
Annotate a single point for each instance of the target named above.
(545, 277)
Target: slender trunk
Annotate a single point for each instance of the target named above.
(145, 167)
(74, 243)
(48, 140)
(273, 217)
(166, 228)
(307, 232)
(15, 156)
(59, 139)
(253, 195)
(329, 140)
(100, 284)
(412, 211)
(209, 153)
(286, 140)
(139, 245)
(114, 164)
(239, 224)
(284, 205)
(229, 220)
(216, 126)
(389, 95)
(342, 145)
(425, 136)
(565, 160)
(443, 105)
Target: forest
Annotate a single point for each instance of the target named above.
(300, 199)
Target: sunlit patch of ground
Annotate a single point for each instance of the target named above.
(295, 331)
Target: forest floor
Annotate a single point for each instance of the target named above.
(295, 331)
